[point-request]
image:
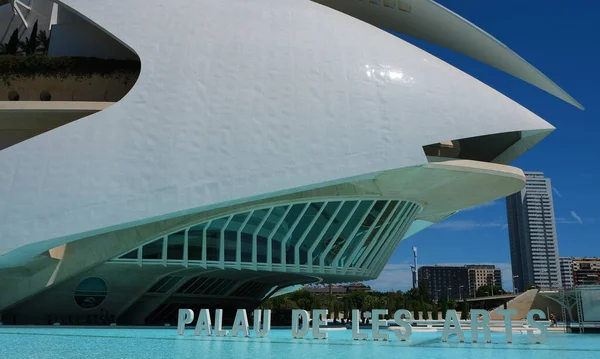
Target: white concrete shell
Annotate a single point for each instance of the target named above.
(237, 101)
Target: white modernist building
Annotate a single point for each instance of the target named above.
(265, 144)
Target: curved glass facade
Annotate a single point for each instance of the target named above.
(337, 236)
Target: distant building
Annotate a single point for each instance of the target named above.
(532, 234)
(457, 282)
(480, 275)
(566, 271)
(586, 271)
(451, 282)
(337, 290)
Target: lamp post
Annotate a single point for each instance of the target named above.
(514, 283)
(460, 289)
(448, 292)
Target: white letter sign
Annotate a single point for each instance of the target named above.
(240, 323)
(219, 332)
(266, 325)
(356, 334)
(296, 331)
(185, 316)
(451, 316)
(507, 314)
(537, 338)
(203, 322)
(317, 322)
(376, 323)
(406, 326)
(485, 324)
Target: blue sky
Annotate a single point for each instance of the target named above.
(562, 39)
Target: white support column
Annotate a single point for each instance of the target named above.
(287, 237)
(335, 261)
(297, 246)
(204, 243)
(254, 239)
(319, 238)
(139, 256)
(238, 247)
(364, 238)
(222, 243)
(185, 247)
(270, 239)
(164, 251)
(335, 237)
(384, 226)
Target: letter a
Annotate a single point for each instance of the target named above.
(240, 323)
(451, 316)
(203, 322)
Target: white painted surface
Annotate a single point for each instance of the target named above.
(237, 100)
(430, 21)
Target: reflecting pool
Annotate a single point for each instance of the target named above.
(165, 343)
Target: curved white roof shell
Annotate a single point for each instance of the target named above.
(429, 21)
(238, 101)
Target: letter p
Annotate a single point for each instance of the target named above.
(185, 316)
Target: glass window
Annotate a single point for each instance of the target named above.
(91, 292)
(266, 230)
(317, 228)
(213, 239)
(130, 255)
(370, 222)
(284, 230)
(153, 250)
(248, 231)
(334, 227)
(386, 235)
(344, 237)
(231, 235)
(195, 242)
(309, 215)
(175, 245)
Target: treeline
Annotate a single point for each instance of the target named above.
(417, 300)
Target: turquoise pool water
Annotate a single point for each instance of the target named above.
(165, 343)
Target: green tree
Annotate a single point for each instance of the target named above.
(443, 306)
(416, 313)
(425, 311)
(30, 45)
(464, 315)
(12, 46)
(488, 290)
(434, 312)
(424, 291)
(44, 42)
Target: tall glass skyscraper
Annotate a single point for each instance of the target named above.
(532, 233)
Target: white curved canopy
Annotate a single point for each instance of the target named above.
(431, 22)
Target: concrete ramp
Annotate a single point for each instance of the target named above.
(522, 304)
